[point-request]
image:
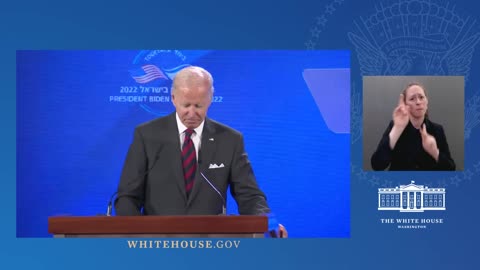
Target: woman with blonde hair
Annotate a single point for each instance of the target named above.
(412, 142)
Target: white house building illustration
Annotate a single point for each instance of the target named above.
(411, 198)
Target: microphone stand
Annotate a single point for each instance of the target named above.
(224, 208)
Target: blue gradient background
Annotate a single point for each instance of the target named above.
(241, 25)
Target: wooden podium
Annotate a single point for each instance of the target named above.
(159, 226)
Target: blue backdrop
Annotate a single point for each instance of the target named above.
(395, 37)
(77, 111)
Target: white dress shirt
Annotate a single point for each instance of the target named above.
(196, 137)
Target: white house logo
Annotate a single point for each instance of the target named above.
(411, 198)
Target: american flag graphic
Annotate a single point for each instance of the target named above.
(147, 73)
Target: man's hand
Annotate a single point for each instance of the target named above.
(282, 231)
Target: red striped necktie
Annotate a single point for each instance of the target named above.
(189, 161)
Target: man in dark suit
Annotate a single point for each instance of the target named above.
(177, 164)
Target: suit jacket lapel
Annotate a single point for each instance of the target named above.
(206, 154)
(173, 136)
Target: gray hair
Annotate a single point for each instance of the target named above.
(193, 75)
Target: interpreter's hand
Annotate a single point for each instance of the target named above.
(400, 114)
(429, 143)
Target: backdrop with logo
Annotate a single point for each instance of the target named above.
(77, 111)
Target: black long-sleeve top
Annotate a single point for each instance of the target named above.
(408, 153)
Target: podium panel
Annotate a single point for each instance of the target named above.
(159, 226)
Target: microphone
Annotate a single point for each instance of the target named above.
(110, 202)
(109, 207)
(224, 209)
